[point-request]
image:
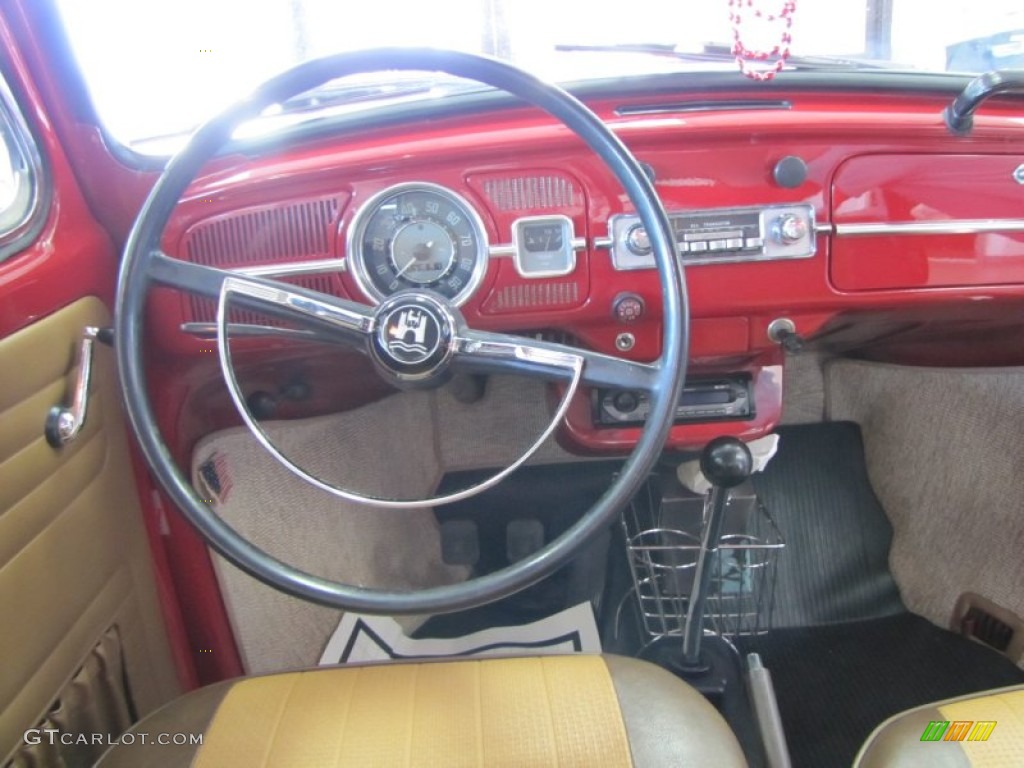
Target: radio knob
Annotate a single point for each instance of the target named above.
(789, 228)
(625, 401)
(627, 307)
(637, 240)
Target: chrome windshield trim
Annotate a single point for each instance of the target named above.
(29, 173)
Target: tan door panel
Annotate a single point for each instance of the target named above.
(74, 557)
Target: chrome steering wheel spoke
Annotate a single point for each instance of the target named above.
(343, 320)
(349, 319)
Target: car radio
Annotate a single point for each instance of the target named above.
(720, 235)
(719, 399)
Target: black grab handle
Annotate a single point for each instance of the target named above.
(959, 115)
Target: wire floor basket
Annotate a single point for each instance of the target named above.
(663, 540)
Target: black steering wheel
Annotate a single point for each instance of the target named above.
(455, 346)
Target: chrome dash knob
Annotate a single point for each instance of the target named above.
(789, 228)
(637, 240)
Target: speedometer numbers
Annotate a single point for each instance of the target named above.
(418, 236)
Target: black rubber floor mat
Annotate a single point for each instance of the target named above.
(835, 684)
(835, 564)
(555, 496)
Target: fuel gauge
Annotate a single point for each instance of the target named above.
(545, 246)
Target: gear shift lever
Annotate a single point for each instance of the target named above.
(726, 462)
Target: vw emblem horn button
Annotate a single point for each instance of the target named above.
(413, 337)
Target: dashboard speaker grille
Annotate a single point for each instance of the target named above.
(264, 235)
(546, 295)
(531, 193)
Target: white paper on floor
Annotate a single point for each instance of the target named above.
(361, 638)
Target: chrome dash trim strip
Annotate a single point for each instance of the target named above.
(945, 227)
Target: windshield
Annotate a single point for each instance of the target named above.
(166, 65)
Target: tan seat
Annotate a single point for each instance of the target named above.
(981, 730)
(555, 710)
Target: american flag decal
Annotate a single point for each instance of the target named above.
(216, 476)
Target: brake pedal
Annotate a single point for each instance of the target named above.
(460, 542)
(523, 537)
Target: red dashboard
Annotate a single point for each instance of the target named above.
(909, 227)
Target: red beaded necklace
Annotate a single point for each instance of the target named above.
(745, 56)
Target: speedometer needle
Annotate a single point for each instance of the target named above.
(417, 255)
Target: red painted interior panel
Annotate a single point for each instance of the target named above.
(72, 256)
(928, 188)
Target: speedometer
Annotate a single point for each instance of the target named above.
(417, 235)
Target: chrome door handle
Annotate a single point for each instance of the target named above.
(63, 423)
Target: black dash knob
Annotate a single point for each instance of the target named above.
(790, 172)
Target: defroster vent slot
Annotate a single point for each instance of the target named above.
(297, 231)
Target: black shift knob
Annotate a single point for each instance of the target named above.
(726, 462)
